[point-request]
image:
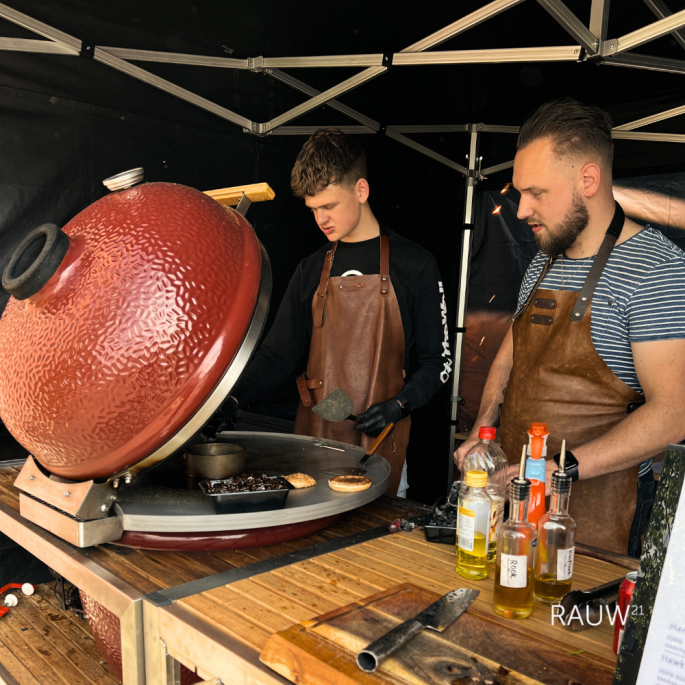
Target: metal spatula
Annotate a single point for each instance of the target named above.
(337, 406)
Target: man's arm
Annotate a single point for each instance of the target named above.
(498, 377)
(282, 349)
(660, 368)
(431, 339)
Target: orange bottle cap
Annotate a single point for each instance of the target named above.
(538, 429)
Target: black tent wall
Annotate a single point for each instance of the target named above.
(66, 123)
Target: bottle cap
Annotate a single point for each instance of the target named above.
(476, 479)
(520, 489)
(561, 483)
(487, 433)
(538, 429)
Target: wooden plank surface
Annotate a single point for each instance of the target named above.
(42, 645)
(305, 590)
(475, 648)
(148, 571)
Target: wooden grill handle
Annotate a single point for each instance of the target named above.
(379, 440)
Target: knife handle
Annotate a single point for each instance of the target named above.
(370, 658)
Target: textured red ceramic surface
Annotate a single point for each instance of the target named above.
(106, 630)
(230, 539)
(127, 340)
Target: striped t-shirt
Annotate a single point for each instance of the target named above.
(640, 296)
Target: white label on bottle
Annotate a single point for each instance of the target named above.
(565, 563)
(514, 570)
(467, 529)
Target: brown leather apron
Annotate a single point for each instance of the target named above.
(357, 345)
(559, 378)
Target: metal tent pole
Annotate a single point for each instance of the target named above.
(472, 178)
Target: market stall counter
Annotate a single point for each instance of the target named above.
(115, 578)
(306, 614)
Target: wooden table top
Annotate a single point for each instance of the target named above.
(147, 571)
(250, 610)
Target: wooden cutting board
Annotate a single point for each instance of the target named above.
(477, 649)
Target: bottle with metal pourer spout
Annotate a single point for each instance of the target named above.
(515, 554)
(555, 546)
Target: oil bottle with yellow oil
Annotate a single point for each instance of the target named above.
(473, 526)
(555, 546)
(513, 596)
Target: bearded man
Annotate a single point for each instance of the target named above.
(597, 345)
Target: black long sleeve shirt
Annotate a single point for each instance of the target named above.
(416, 280)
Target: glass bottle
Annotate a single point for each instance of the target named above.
(473, 526)
(487, 456)
(555, 547)
(514, 564)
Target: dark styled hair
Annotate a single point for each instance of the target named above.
(328, 157)
(574, 127)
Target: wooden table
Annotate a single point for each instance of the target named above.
(220, 625)
(119, 578)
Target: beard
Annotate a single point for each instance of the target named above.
(564, 234)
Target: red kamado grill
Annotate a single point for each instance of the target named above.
(127, 329)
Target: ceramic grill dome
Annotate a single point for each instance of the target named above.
(126, 327)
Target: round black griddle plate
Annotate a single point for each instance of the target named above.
(160, 500)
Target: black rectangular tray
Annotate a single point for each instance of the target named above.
(245, 502)
(444, 534)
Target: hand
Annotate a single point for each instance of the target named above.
(464, 448)
(378, 416)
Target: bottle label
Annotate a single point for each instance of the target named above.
(467, 529)
(496, 516)
(565, 563)
(514, 570)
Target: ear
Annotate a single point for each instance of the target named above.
(590, 178)
(361, 190)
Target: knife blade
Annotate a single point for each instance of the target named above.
(437, 616)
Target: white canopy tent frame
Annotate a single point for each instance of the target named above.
(592, 44)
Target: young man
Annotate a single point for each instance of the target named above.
(363, 307)
(597, 348)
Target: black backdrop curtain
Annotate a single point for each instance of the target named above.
(66, 123)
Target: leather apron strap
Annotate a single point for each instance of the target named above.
(385, 265)
(597, 268)
(531, 295)
(322, 290)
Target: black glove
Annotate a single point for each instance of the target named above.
(378, 416)
(222, 418)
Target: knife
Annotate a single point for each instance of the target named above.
(437, 616)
